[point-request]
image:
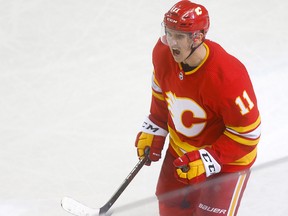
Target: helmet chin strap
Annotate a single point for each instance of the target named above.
(193, 50)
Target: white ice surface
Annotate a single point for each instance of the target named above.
(75, 87)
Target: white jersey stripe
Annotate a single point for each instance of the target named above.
(255, 134)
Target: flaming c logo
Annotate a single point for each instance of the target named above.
(188, 117)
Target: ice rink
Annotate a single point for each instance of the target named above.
(75, 87)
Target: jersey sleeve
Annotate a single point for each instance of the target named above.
(158, 108)
(237, 146)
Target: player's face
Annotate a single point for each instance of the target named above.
(180, 44)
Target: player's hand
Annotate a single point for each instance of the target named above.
(196, 166)
(154, 142)
(151, 136)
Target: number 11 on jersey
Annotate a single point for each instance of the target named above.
(243, 108)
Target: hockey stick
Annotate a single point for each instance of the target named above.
(74, 207)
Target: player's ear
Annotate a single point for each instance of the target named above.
(199, 37)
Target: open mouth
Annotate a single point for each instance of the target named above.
(175, 51)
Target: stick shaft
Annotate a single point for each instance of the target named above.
(124, 185)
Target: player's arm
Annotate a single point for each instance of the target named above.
(154, 128)
(236, 148)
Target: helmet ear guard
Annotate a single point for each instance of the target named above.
(197, 36)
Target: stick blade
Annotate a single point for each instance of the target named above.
(78, 209)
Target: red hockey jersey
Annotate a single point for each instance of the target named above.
(213, 105)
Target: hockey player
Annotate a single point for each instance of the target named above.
(203, 98)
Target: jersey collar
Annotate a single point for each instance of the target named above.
(204, 60)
